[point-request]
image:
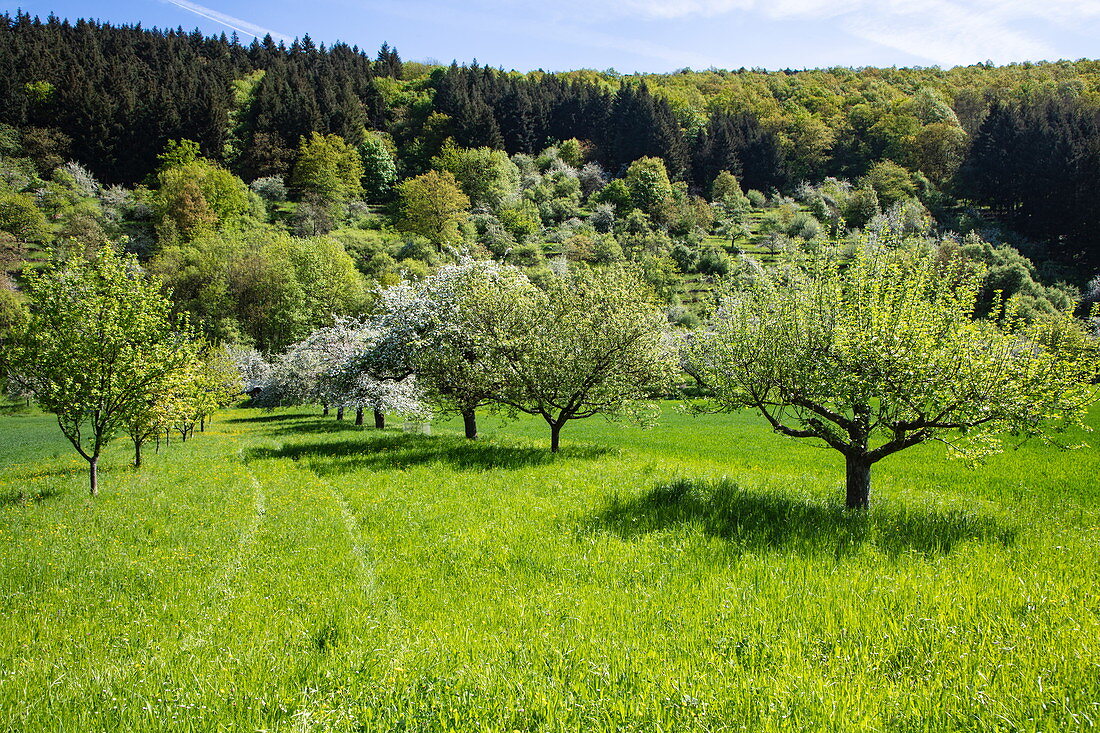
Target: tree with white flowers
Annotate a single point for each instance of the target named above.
(338, 366)
(454, 330)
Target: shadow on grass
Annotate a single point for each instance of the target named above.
(754, 520)
(317, 426)
(21, 497)
(381, 451)
(273, 418)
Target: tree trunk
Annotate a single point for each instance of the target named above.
(379, 419)
(555, 432)
(469, 422)
(340, 412)
(324, 410)
(137, 453)
(858, 479)
(202, 424)
(358, 415)
(93, 475)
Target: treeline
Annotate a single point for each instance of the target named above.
(112, 96)
(1021, 140)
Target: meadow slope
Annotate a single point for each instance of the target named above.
(285, 572)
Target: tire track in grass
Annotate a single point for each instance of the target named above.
(368, 578)
(248, 534)
(222, 588)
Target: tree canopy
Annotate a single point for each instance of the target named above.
(99, 343)
(880, 353)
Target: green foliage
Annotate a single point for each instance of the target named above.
(573, 152)
(1009, 276)
(379, 168)
(14, 318)
(884, 348)
(725, 188)
(756, 199)
(520, 218)
(593, 344)
(860, 207)
(939, 150)
(616, 194)
(486, 176)
(23, 220)
(385, 255)
(261, 285)
(649, 186)
(195, 196)
(327, 168)
(557, 195)
(179, 153)
(433, 206)
(99, 342)
(39, 92)
(891, 182)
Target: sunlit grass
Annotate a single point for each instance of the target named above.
(287, 572)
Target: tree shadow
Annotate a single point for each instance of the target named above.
(15, 409)
(272, 418)
(22, 497)
(317, 426)
(751, 520)
(379, 451)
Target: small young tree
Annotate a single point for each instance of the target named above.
(594, 343)
(100, 341)
(882, 353)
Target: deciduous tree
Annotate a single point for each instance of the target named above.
(99, 343)
(453, 329)
(595, 343)
(433, 206)
(882, 353)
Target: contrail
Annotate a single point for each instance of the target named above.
(241, 26)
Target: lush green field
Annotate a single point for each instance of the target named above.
(286, 572)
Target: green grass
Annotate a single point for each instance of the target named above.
(284, 572)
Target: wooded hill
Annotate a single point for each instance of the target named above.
(1012, 150)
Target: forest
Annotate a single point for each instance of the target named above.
(1002, 154)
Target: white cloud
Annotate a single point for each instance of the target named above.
(945, 32)
(237, 24)
(559, 32)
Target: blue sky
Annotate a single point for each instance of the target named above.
(648, 35)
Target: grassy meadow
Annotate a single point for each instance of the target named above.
(286, 572)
